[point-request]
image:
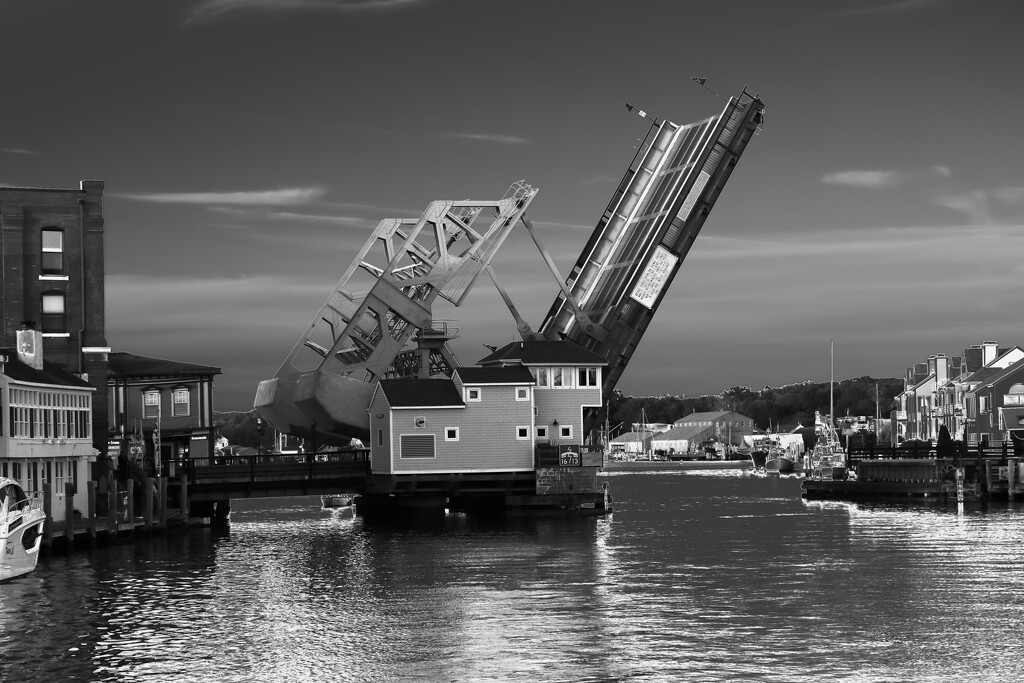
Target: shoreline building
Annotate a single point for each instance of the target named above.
(52, 276)
(46, 429)
(171, 399)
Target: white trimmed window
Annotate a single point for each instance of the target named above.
(472, 393)
(542, 432)
(522, 394)
(565, 431)
(451, 433)
(587, 377)
(151, 403)
(53, 252)
(54, 320)
(542, 377)
(522, 433)
(180, 406)
(558, 378)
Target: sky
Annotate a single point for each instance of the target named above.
(249, 147)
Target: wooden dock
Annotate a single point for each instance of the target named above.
(967, 473)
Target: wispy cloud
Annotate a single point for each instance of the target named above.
(16, 150)
(986, 207)
(485, 137)
(209, 10)
(282, 197)
(874, 180)
(867, 179)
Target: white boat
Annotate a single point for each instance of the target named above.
(21, 529)
(336, 500)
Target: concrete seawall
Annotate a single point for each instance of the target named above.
(674, 465)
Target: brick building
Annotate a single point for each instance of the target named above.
(52, 278)
(172, 397)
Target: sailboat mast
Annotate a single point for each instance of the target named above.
(831, 380)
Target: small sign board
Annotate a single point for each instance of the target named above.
(568, 455)
(654, 277)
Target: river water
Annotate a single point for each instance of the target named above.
(703, 576)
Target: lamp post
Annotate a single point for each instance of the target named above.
(259, 437)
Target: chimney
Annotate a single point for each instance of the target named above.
(989, 350)
(30, 345)
(941, 369)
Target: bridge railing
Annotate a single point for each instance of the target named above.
(920, 450)
(270, 466)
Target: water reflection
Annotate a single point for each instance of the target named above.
(695, 576)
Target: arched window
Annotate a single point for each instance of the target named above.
(54, 319)
(52, 262)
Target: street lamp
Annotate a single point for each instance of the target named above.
(259, 441)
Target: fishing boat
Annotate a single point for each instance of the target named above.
(761, 447)
(828, 458)
(780, 460)
(21, 529)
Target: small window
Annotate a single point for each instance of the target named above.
(180, 405)
(451, 433)
(542, 377)
(557, 379)
(151, 403)
(587, 377)
(565, 431)
(380, 437)
(522, 394)
(52, 252)
(472, 394)
(522, 433)
(542, 432)
(54, 320)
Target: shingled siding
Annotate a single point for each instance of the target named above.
(380, 434)
(487, 435)
(566, 406)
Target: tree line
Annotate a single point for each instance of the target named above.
(774, 407)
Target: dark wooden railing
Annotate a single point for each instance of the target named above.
(919, 450)
(271, 466)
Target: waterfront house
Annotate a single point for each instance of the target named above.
(724, 426)
(954, 392)
(170, 398)
(45, 426)
(632, 443)
(523, 399)
(480, 420)
(567, 387)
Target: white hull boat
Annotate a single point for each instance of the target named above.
(21, 530)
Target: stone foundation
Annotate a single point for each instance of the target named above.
(564, 480)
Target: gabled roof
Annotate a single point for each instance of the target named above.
(682, 432)
(706, 417)
(563, 352)
(50, 374)
(989, 376)
(510, 374)
(632, 437)
(421, 393)
(131, 365)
